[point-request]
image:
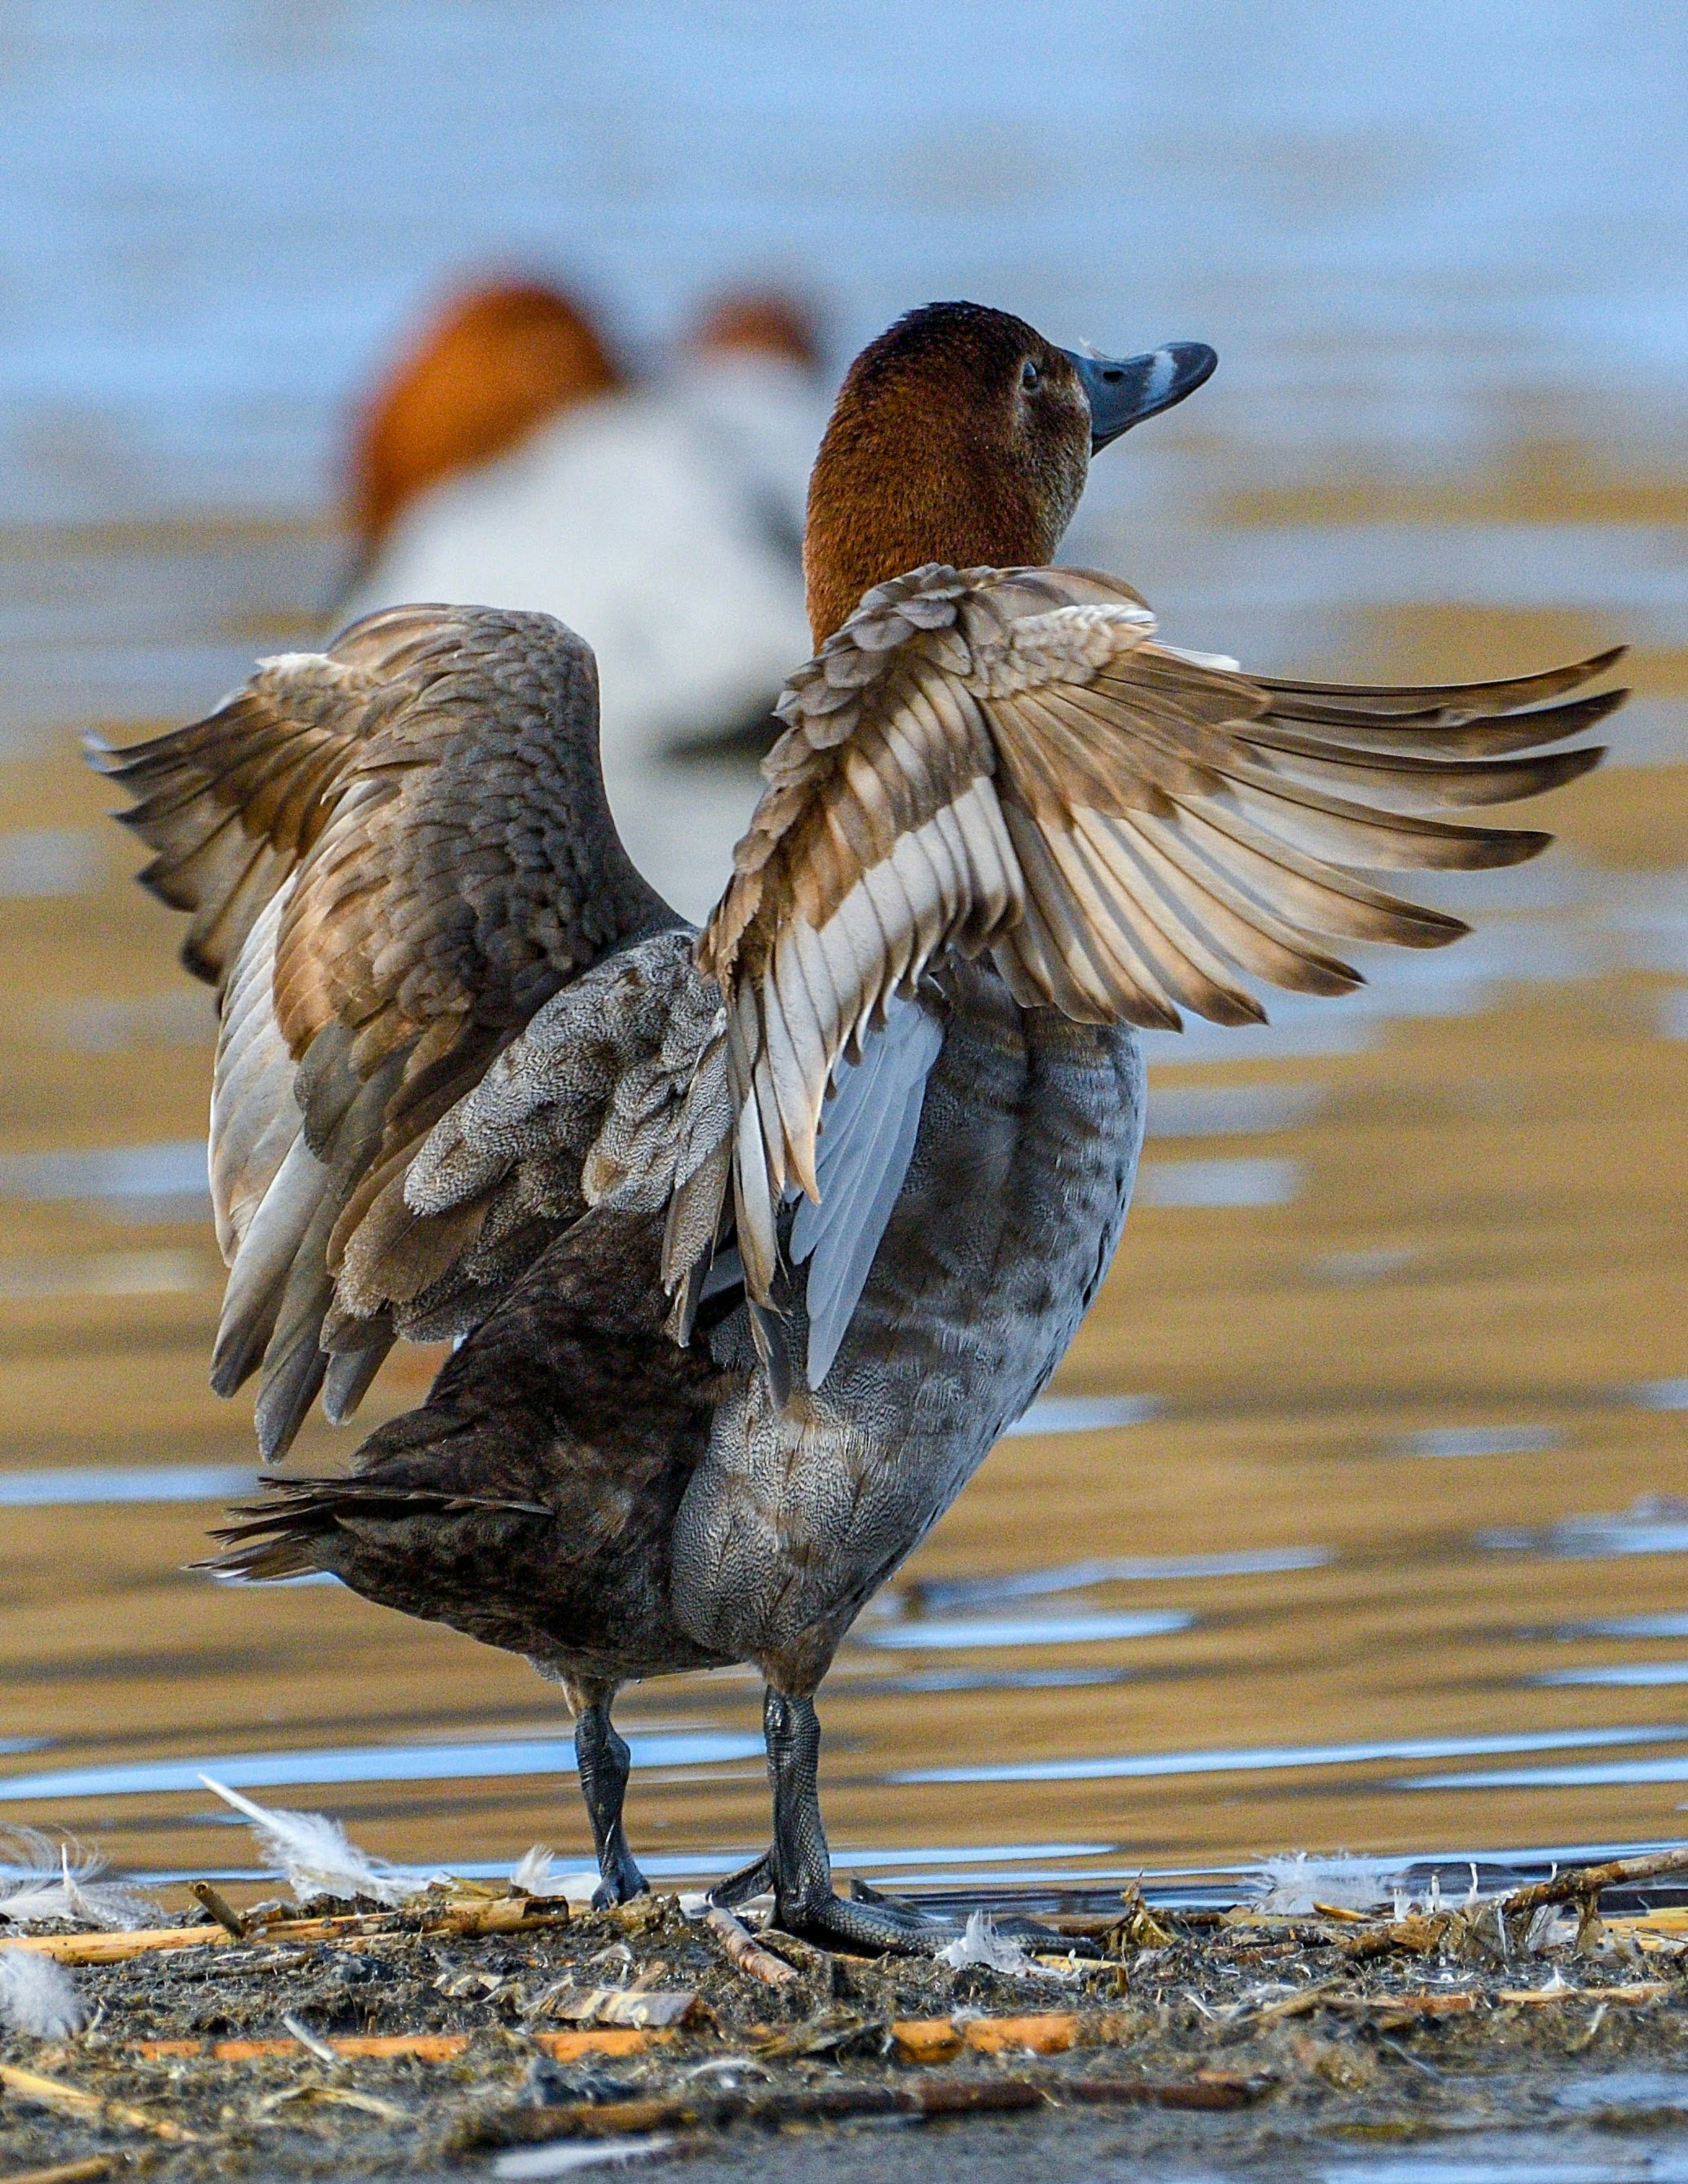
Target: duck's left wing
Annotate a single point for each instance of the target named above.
(1006, 761)
(394, 853)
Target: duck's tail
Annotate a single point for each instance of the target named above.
(295, 1529)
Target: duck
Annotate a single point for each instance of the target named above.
(490, 364)
(753, 1236)
(510, 459)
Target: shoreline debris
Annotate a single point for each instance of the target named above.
(387, 2037)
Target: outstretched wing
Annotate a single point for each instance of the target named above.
(1006, 761)
(393, 854)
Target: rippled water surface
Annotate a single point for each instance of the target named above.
(1356, 1517)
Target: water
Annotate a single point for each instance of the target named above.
(1350, 1522)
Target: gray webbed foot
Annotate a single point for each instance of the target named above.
(861, 1929)
(801, 1867)
(605, 1761)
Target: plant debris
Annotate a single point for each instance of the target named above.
(376, 2036)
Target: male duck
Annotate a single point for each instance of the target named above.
(663, 521)
(864, 1145)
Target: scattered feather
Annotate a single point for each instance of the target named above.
(536, 1872)
(539, 2161)
(981, 1944)
(1298, 1881)
(42, 1879)
(532, 1870)
(38, 1996)
(1553, 1927)
(318, 1857)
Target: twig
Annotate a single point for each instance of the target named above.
(344, 2097)
(1297, 2005)
(229, 1919)
(307, 2039)
(1406, 2055)
(462, 1917)
(73, 2100)
(815, 2104)
(1220, 2090)
(69, 2172)
(942, 2097)
(1580, 1881)
(1052, 2032)
(747, 1954)
(1585, 2038)
(418, 2047)
(421, 2047)
(1639, 1990)
(1402, 2008)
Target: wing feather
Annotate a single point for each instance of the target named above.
(1006, 760)
(393, 853)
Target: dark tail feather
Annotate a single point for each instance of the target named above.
(281, 1536)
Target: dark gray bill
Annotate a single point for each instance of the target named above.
(1123, 391)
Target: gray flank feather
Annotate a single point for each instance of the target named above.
(727, 1271)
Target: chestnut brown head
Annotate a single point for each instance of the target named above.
(489, 367)
(961, 435)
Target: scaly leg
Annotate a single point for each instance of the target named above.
(603, 1760)
(802, 1869)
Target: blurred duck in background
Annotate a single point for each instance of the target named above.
(489, 369)
(508, 459)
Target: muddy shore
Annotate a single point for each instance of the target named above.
(486, 2031)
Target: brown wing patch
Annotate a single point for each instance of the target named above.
(428, 793)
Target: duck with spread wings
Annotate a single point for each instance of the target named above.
(752, 1241)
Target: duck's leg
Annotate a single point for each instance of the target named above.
(802, 1868)
(603, 1760)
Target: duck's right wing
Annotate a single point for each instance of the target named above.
(1006, 760)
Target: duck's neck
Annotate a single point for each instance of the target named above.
(893, 489)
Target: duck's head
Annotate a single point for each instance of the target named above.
(963, 436)
(759, 322)
(491, 365)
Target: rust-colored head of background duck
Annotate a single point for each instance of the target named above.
(759, 322)
(490, 366)
(961, 435)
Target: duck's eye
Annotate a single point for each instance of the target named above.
(1030, 377)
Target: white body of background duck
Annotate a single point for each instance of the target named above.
(664, 522)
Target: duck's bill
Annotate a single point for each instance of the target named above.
(1123, 391)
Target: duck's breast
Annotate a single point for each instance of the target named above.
(1007, 1222)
